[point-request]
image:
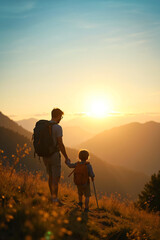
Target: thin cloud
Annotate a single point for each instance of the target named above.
(80, 114)
(16, 7)
(40, 114)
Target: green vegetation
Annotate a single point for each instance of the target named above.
(27, 213)
(150, 196)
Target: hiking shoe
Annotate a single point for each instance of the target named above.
(86, 210)
(80, 204)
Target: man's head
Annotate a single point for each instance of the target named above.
(57, 114)
(83, 155)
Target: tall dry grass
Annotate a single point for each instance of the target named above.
(27, 213)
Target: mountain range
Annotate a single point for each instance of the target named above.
(6, 122)
(72, 135)
(109, 178)
(135, 146)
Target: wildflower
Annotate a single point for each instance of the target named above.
(66, 221)
(54, 214)
(9, 217)
(63, 230)
(10, 205)
(28, 237)
(69, 232)
(45, 215)
(43, 198)
(79, 219)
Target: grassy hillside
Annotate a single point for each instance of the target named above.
(27, 213)
(109, 178)
(135, 146)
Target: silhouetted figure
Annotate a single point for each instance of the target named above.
(82, 172)
(53, 162)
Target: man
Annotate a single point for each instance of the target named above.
(53, 163)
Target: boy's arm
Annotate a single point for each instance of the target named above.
(90, 171)
(69, 164)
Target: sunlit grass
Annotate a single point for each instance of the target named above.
(27, 213)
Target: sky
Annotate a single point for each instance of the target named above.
(73, 54)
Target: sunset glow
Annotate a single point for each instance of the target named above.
(99, 108)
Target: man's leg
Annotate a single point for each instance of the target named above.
(53, 184)
(80, 198)
(87, 202)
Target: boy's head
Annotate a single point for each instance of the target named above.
(83, 155)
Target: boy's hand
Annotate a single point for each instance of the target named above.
(67, 161)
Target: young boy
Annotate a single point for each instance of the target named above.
(83, 170)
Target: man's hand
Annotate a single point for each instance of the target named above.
(67, 160)
(92, 179)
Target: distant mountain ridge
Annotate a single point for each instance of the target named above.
(135, 146)
(72, 135)
(28, 124)
(6, 122)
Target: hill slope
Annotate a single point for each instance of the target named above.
(135, 146)
(10, 124)
(109, 178)
(26, 213)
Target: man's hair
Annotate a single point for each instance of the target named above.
(83, 155)
(56, 112)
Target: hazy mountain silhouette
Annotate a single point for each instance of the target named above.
(28, 124)
(135, 146)
(109, 178)
(73, 135)
(98, 125)
(6, 122)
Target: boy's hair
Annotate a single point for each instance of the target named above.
(83, 155)
(56, 112)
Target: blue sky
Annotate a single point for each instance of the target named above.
(66, 53)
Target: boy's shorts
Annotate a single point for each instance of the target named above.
(84, 190)
(53, 164)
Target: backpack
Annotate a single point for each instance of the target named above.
(42, 139)
(81, 176)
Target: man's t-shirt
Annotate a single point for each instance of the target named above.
(53, 162)
(56, 132)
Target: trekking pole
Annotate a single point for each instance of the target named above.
(95, 193)
(71, 173)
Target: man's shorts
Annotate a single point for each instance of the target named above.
(53, 164)
(84, 190)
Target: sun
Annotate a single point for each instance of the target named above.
(99, 108)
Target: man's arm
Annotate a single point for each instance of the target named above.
(62, 147)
